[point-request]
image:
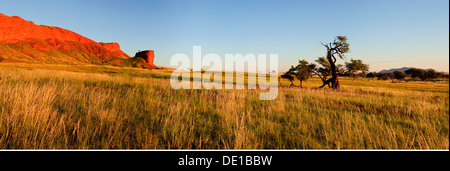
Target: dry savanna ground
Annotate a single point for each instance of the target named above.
(102, 107)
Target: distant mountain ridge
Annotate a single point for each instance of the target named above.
(401, 69)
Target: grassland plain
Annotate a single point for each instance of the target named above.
(103, 107)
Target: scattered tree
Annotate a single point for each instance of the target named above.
(385, 76)
(323, 70)
(356, 68)
(303, 71)
(417, 73)
(371, 75)
(444, 76)
(335, 49)
(432, 74)
(288, 76)
(399, 75)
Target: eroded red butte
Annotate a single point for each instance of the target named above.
(148, 56)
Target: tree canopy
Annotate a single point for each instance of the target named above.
(303, 71)
(356, 66)
(399, 75)
(323, 69)
(335, 49)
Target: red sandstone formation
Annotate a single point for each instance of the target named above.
(148, 56)
(113, 47)
(18, 34)
(15, 28)
(24, 41)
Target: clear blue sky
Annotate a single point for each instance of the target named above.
(383, 33)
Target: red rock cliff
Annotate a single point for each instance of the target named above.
(16, 28)
(18, 33)
(113, 47)
(148, 56)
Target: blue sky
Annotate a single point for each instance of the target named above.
(383, 33)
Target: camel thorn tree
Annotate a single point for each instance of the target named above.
(335, 49)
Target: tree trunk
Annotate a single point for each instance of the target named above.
(324, 82)
(334, 77)
(334, 80)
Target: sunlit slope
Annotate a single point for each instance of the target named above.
(23, 41)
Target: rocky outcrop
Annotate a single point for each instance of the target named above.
(13, 29)
(148, 56)
(22, 40)
(113, 47)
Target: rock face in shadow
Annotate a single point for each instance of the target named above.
(148, 56)
(24, 41)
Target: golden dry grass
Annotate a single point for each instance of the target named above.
(94, 107)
